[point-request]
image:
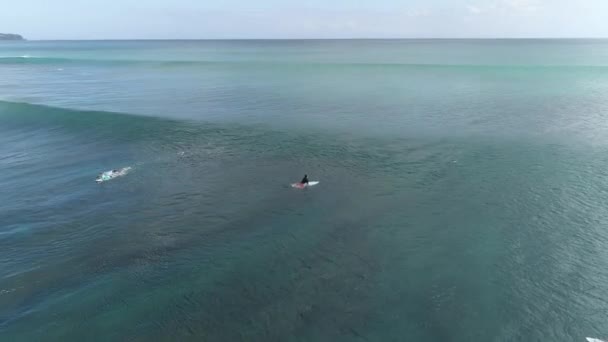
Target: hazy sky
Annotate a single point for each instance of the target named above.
(99, 19)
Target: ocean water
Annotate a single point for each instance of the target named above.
(463, 194)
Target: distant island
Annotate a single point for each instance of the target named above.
(10, 36)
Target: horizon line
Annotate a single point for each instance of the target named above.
(331, 38)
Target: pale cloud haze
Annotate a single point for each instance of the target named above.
(189, 19)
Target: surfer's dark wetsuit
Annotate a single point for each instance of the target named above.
(304, 180)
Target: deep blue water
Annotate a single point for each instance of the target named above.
(463, 190)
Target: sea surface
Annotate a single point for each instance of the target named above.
(463, 194)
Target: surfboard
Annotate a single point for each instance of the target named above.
(303, 186)
(590, 339)
(109, 175)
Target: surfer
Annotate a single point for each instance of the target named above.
(105, 175)
(304, 180)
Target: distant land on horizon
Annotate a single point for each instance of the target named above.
(10, 36)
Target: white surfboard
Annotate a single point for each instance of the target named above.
(590, 339)
(303, 186)
(109, 175)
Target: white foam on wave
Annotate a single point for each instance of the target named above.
(7, 291)
(17, 57)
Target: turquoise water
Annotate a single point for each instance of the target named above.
(463, 191)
